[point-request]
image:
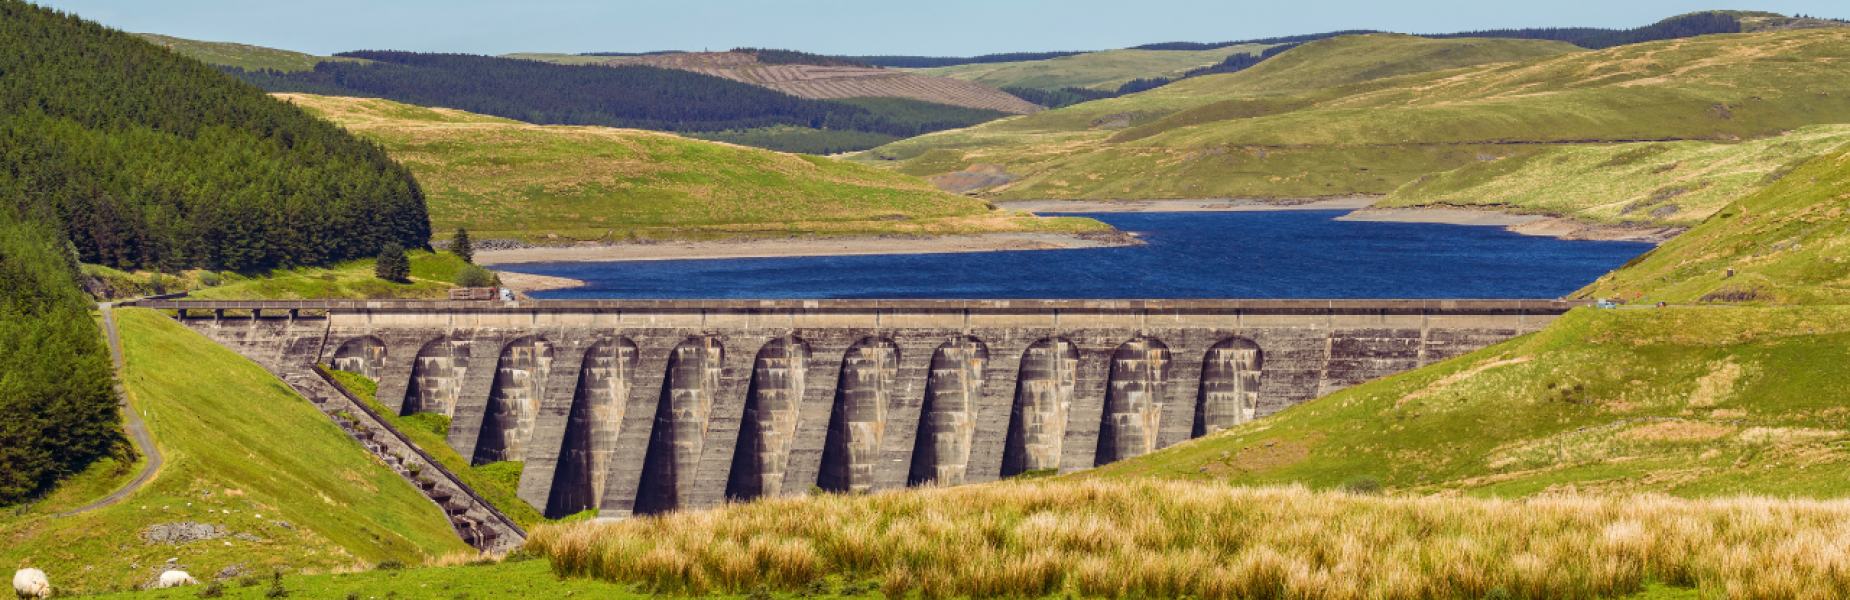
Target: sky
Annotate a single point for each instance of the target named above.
(851, 27)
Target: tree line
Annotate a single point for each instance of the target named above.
(119, 152)
(143, 158)
(630, 96)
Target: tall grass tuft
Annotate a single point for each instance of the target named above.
(1170, 539)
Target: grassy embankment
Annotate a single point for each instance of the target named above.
(497, 482)
(503, 178)
(1367, 114)
(432, 274)
(1657, 183)
(1107, 70)
(243, 56)
(242, 452)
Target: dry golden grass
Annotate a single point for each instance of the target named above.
(1171, 539)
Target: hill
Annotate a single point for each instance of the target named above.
(1106, 70)
(1780, 245)
(1647, 183)
(502, 178)
(635, 96)
(243, 56)
(277, 481)
(1256, 133)
(825, 82)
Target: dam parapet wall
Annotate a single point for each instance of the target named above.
(642, 406)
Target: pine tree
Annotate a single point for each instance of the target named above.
(461, 247)
(393, 265)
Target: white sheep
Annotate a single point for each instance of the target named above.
(31, 583)
(175, 579)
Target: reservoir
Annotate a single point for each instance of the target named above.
(1252, 255)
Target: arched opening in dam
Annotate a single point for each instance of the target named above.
(364, 355)
(1135, 393)
(858, 423)
(592, 427)
(768, 428)
(1043, 399)
(1229, 386)
(672, 465)
(514, 401)
(948, 417)
(437, 377)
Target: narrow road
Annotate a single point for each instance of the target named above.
(137, 431)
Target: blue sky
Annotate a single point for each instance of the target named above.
(933, 28)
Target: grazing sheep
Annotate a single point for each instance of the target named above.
(29, 583)
(175, 579)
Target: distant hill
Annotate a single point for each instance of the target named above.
(1096, 70)
(504, 178)
(1271, 131)
(821, 82)
(634, 96)
(1645, 183)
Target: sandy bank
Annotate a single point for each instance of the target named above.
(526, 283)
(784, 247)
(1537, 225)
(1209, 205)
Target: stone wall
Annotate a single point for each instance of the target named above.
(641, 407)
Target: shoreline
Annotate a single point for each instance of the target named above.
(799, 247)
(1562, 228)
(1208, 205)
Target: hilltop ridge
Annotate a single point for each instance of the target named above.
(824, 82)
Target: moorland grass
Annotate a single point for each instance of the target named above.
(1157, 539)
(499, 178)
(1660, 183)
(244, 452)
(244, 56)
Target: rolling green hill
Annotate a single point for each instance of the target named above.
(1654, 183)
(242, 452)
(243, 56)
(1096, 70)
(1785, 244)
(503, 178)
(1250, 134)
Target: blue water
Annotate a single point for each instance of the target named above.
(1256, 255)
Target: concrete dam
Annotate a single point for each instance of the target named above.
(635, 406)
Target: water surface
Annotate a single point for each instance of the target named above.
(1297, 254)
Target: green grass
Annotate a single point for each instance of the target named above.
(1786, 244)
(432, 274)
(239, 443)
(1262, 132)
(497, 482)
(1661, 183)
(557, 184)
(244, 56)
(1690, 402)
(1107, 70)
(560, 58)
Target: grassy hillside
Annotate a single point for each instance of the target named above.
(1668, 183)
(243, 452)
(243, 56)
(1238, 135)
(432, 274)
(502, 178)
(1096, 70)
(1785, 243)
(1690, 402)
(558, 58)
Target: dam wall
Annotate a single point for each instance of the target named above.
(631, 407)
